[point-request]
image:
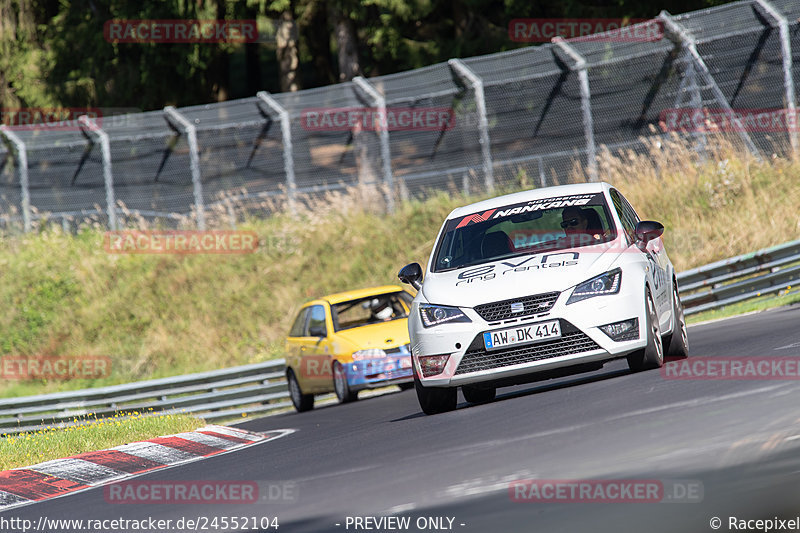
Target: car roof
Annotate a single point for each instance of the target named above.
(526, 196)
(356, 294)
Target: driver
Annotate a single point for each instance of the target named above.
(381, 311)
(573, 221)
(577, 226)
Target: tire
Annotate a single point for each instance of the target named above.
(435, 400)
(652, 355)
(302, 402)
(478, 395)
(678, 341)
(340, 385)
(405, 386)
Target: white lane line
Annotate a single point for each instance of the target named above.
(715, 320)
(235, 432)
(402, 508)
(484, 485)
(789, 346)
(210, 440)
(78, 470)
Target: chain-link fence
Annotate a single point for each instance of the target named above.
(474, 124)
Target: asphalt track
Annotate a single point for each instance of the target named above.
(738, 440)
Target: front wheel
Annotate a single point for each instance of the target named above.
(340, 385)
(435, 400)
(652, 355)
(478, 395)
(302, 402)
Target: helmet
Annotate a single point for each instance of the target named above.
(385, 313)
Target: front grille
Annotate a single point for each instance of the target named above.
(477, 358)
(531, 305)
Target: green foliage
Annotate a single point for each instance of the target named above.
(55, 53)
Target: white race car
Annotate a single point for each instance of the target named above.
(540, 284)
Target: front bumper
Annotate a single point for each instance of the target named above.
(581, 342)
(394, 369)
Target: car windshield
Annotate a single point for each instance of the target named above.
(518, 229)
(372, 309)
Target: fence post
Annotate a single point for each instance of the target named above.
(788, 78)
(383, 134)
(586, 104)
(90, 129)
(22, 162)
(288, 150)
(464, 72)
(679, 34)
(689, 85)
(542, 177)
(194, 161)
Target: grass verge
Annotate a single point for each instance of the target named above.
(89, 434)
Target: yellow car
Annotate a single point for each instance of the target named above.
(347, 342)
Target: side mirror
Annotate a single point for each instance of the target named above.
(646, 231)
(411, 274)
(317, 330)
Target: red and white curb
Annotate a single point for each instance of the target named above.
(22, 486)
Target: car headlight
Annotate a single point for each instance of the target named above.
(601, 285)
(433, 315)
(370, 353)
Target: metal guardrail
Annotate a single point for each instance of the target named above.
(216, 395)
(740, 278)
(261, 388)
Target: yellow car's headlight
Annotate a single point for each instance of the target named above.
(370, 353)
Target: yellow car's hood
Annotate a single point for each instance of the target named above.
(382, 335)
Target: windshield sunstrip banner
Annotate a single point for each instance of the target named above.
(525, 207)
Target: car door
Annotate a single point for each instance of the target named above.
(654, 253)
(294, 341)
(315, 351)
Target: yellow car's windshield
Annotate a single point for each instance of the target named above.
(371, 310)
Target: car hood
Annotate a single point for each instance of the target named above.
(381, 335)
(519, 276)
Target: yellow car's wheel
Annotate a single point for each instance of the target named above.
(302, 402)
(340, 385)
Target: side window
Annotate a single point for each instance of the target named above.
(299, 323)
(406, 298)
(316, 322)
(626, 213)
(630, 212)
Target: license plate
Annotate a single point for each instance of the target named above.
(531, 333)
